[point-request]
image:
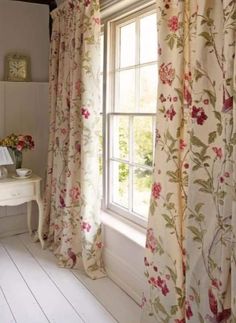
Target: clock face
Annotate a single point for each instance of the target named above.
(17, 69)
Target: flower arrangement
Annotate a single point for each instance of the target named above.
(16, 145)
(18, 142)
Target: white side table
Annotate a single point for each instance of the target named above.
(19, 191)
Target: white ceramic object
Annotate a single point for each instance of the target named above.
(3, 172)
(20, 177)
(23, 172)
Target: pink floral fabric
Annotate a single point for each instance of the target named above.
(72, 199)
(190, 262)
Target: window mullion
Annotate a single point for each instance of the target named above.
(133, 164)
(131, 67)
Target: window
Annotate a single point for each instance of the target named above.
(101, 113)
(130, 114)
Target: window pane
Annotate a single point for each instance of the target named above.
(101, 153)
(101, 93)
(143, 140)
(141, 190)
(120, 133)
(101, 51)
(148, 39)
(148, 88)
(101, 70)
(120, 183)
(127, 45)
(101, 116)
(126, 91)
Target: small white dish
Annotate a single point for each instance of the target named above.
(21, 177)
(23, 172)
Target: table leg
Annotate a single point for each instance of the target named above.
(40, 223)
(29, 212)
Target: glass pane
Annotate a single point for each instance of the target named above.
(101, 70)
(127, 45)
(100, 144)
(126, 99)
(148, 88)
(148, 39)
(120, 183)
(101, 153)
(143, 140)
(101, 52)
(120, 133)
(141, 191)
(101, 93)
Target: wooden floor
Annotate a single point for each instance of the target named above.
(33, 289)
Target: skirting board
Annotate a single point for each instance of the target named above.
(126, 277)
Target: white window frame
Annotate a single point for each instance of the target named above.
(110, 68)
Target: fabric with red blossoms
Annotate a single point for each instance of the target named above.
(156, 190)
(173, 23)
(199, 114)
(167, 73)
(170, 113)
(72, 224)
(190, 266)
(151, 242)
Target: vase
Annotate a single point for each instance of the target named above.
(17, 158)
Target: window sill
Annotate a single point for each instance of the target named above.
(125, 227)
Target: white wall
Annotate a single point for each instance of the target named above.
(124, 262)
(24, 29)
(24, 110)
(24, 105)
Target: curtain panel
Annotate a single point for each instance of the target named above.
(72, 198)
(191, 237)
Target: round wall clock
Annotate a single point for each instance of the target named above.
(17, 68)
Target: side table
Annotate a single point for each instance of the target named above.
(14, 191)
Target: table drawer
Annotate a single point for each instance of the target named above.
(16, 192)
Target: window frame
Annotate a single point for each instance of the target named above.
(110, 68)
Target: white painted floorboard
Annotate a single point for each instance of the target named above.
(33, 289)
(5, 312)
(19, 297)
(112, 297)
(75, 292)
(41, 286)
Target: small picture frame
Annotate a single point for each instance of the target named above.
(17, 68)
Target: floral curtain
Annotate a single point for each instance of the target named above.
(72, 201)
(190, 262)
